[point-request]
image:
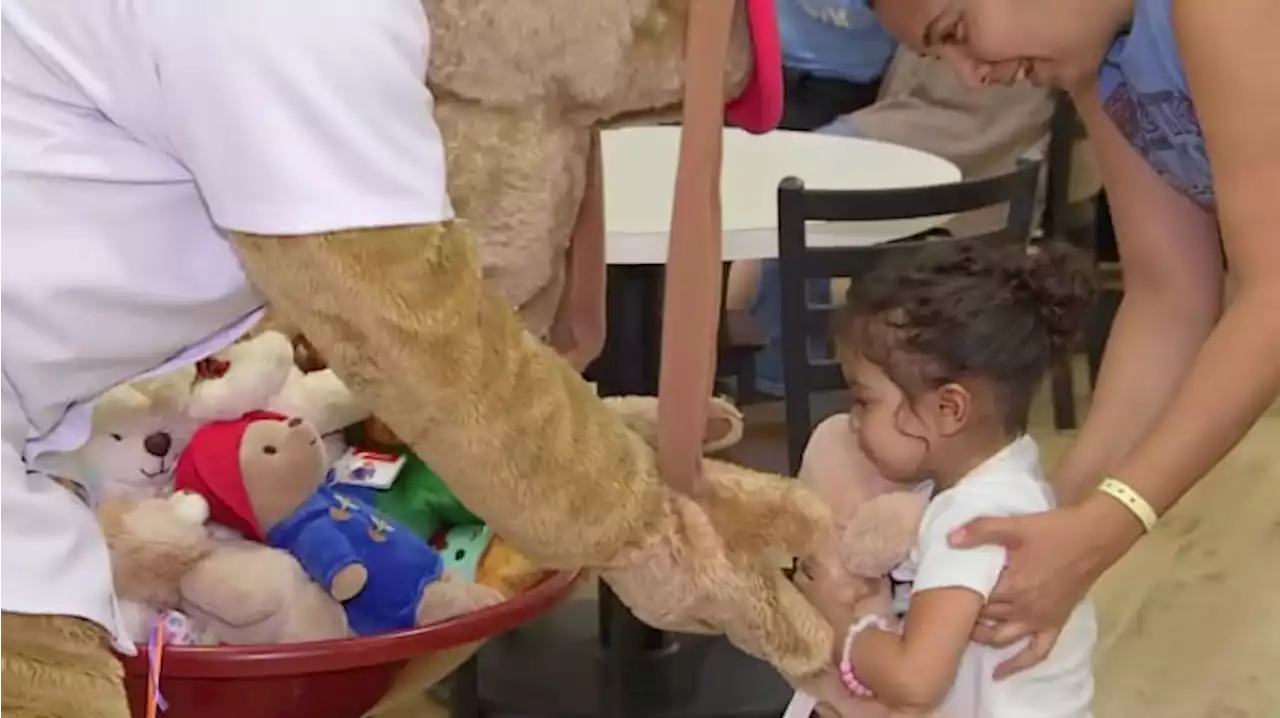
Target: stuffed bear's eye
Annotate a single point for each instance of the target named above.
(268, 449)
(117, 437)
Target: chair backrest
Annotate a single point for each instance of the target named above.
(1064, 219)
(799, 263)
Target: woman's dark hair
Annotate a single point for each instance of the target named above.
(970, 310)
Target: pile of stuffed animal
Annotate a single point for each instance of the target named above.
(251, 499)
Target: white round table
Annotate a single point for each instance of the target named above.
(640, 173)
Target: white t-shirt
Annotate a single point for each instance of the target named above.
(135, 133)
(1010, 483)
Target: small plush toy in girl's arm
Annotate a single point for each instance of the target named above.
(943, 355)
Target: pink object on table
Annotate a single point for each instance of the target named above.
(758, 109)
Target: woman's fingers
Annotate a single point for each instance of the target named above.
(997, 612)
(999, 635)
(1037, 650)
(1007, 532)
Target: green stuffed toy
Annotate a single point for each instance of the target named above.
(417, 498)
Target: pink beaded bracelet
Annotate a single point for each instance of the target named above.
(847, 676)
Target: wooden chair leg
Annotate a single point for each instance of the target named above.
(1098, 326)
(1064, 395)
(746, 387)
(464, 693)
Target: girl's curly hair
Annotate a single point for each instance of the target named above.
(954, 310)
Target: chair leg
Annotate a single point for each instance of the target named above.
(1064, 395)
(1097, 328)
(746, 393)
(464, 693)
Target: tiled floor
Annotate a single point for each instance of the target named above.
(1190, 620)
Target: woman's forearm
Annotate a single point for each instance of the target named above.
(1172, 262)
(1234, 379)
(1153, 343)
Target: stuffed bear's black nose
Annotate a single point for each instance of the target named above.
(294, 422)
(158, 444)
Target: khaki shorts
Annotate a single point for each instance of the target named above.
(59, 667)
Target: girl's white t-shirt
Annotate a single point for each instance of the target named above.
(1011, 483)
(135, 134)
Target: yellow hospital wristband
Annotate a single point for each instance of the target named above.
(1131, 500)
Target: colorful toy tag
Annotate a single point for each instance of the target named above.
(180, 630)
(363, 467)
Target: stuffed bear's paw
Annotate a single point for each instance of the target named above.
(881, 533)
(725, 424)
(450, 597)
(640, 413)
(192, 508)
(152, 525)
(348, 582)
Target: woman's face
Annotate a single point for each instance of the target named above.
(1049, 42)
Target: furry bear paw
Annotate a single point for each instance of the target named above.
(450, 597)
(349, 581)
(192, 508)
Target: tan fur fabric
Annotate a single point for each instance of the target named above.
(401, 315)
(59, 667)
(404, 317)
(519, 88)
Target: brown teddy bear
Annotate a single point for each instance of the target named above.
(164, 558)
(265, 475)
(248, 593)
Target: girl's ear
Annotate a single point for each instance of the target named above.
(954, 404)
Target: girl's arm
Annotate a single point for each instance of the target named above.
(914, 671)
(1172, 298)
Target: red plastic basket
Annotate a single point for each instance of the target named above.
(324, 679)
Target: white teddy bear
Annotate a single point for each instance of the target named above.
(260, 373)
(137, 432)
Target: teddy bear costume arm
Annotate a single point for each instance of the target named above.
(287, 140)
(403, 315)
(440, 357)
(445, 361)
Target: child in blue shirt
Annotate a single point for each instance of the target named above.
(834, 53)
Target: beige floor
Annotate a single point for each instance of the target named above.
(1190, 620)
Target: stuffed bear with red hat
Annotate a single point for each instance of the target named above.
(265, 475)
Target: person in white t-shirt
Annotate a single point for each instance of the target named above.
(166, 166)
(943, 354)
(136, 136)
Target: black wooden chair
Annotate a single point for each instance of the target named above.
(1110, 290)
(804, 374)
(1073, 222)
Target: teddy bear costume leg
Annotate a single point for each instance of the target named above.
(59, 667)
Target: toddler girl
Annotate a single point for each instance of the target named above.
(943, 355)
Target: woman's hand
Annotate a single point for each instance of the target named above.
(1054, 558)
